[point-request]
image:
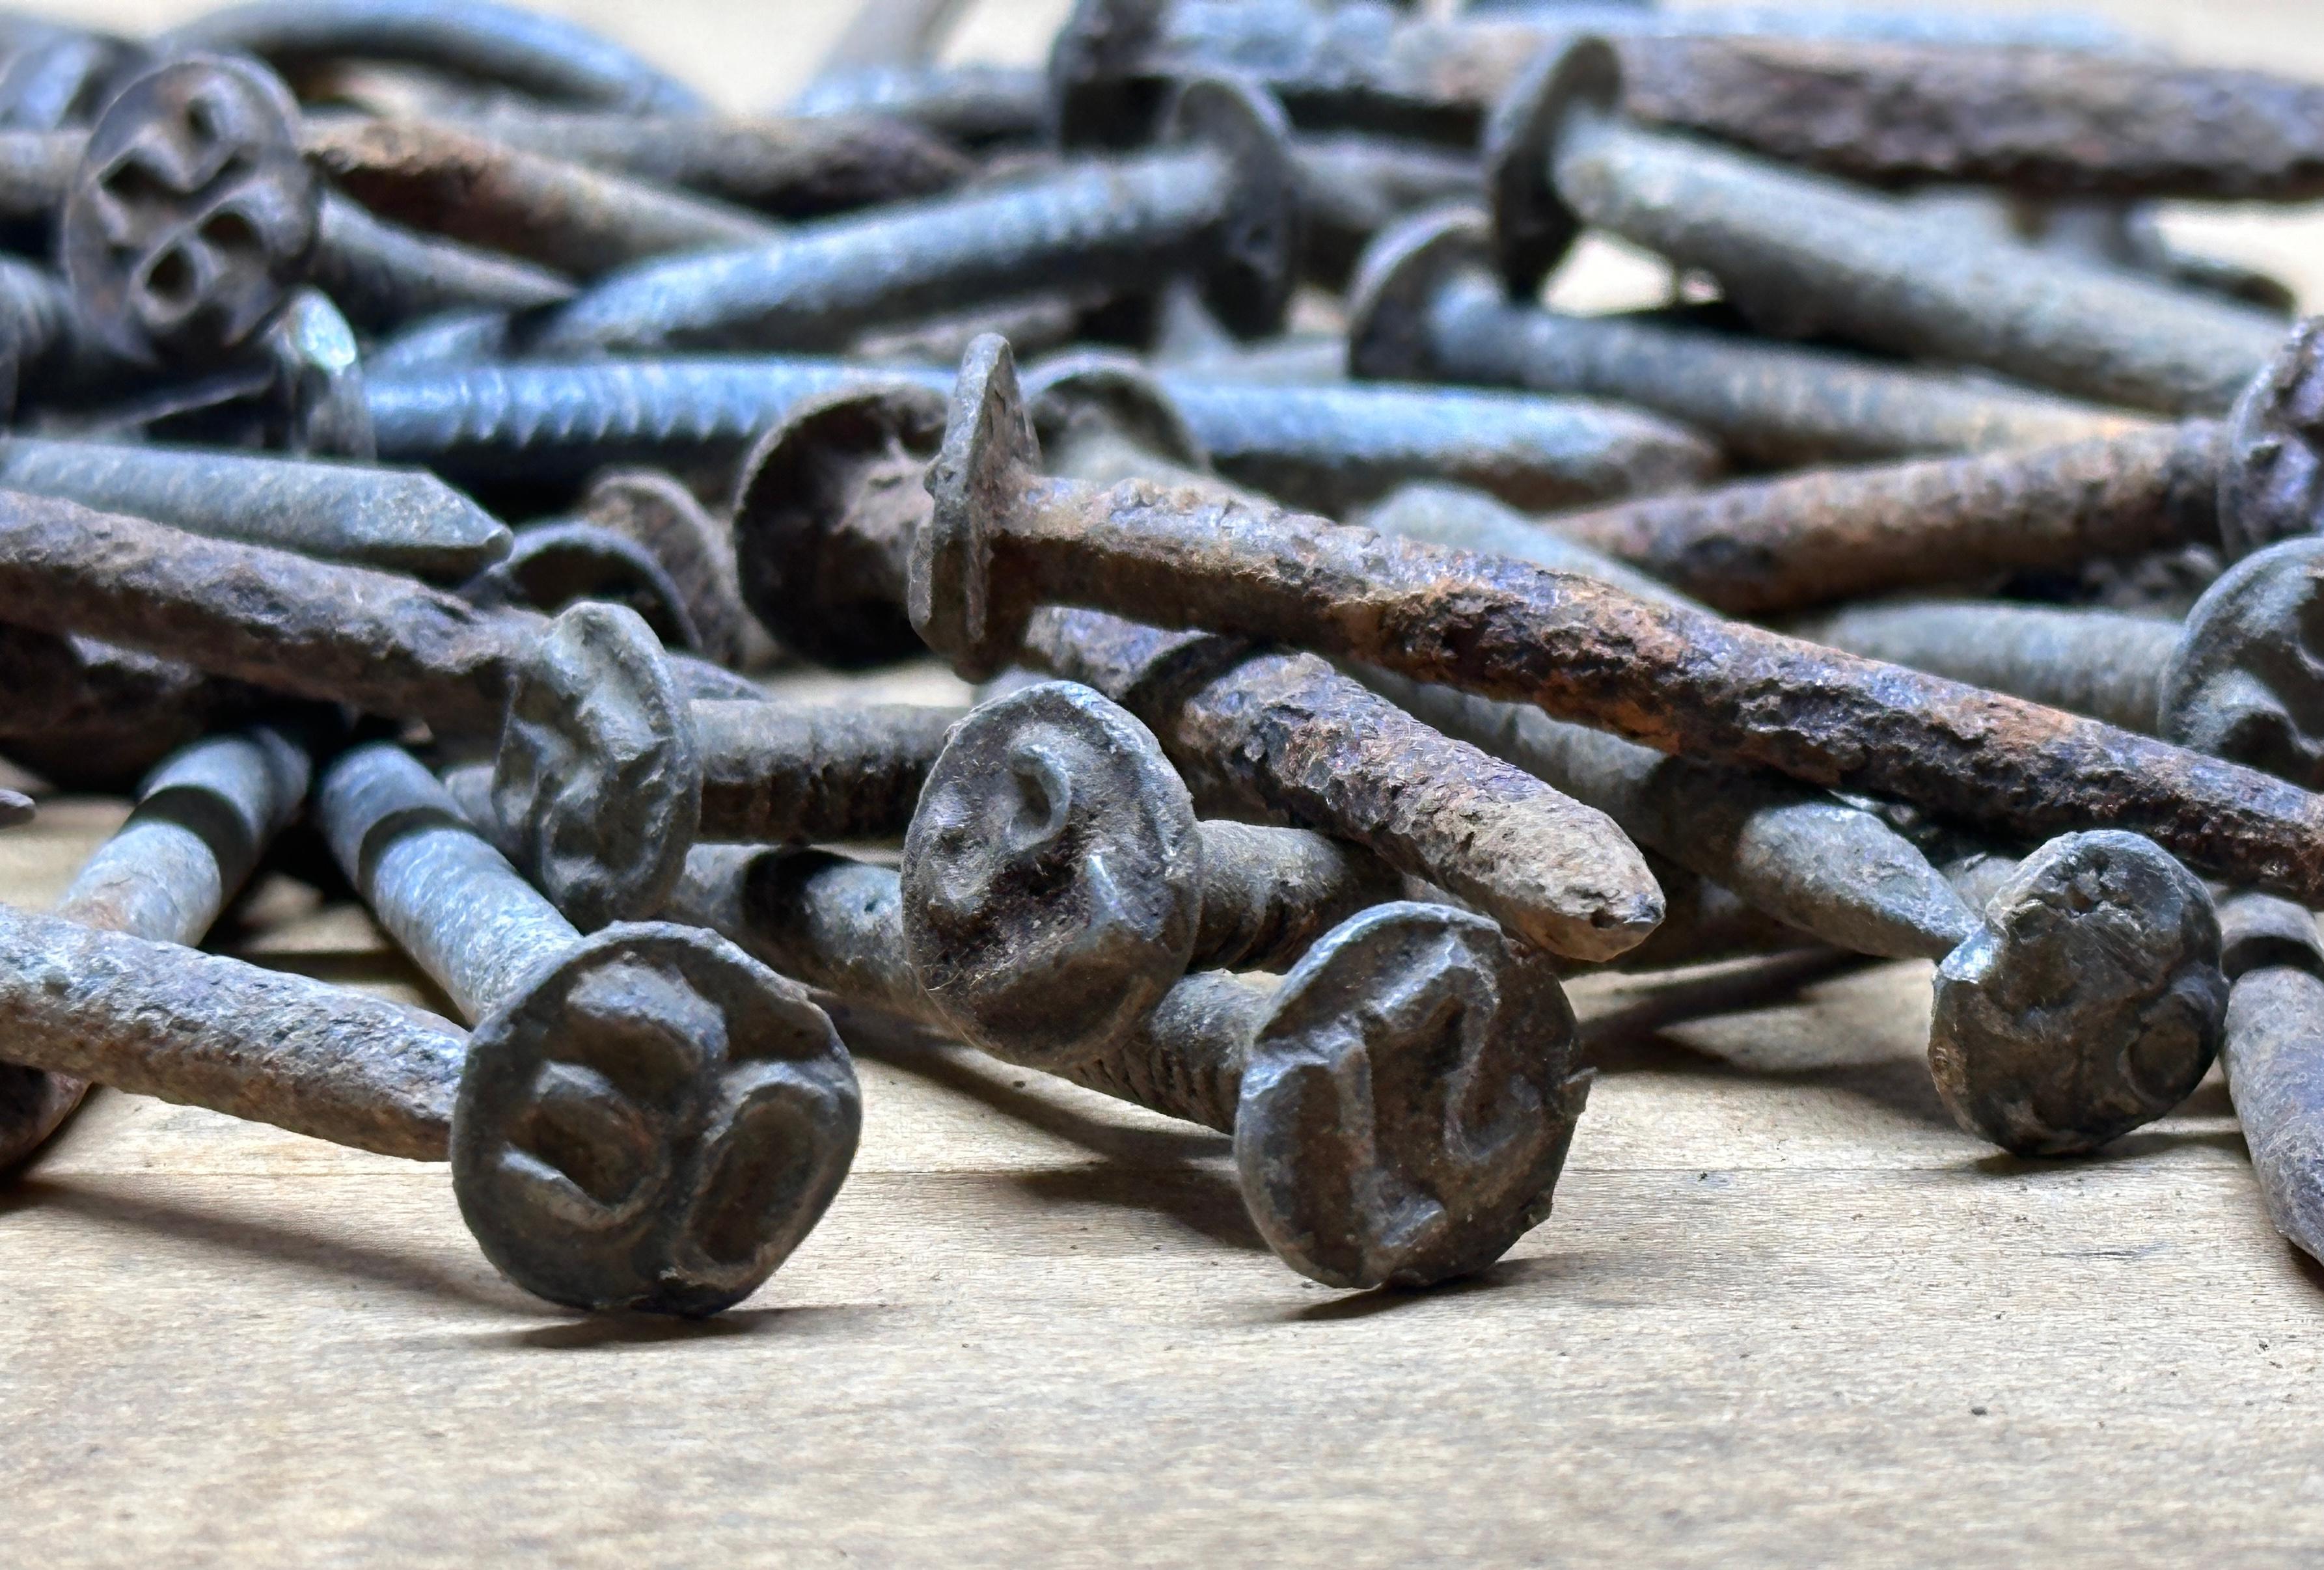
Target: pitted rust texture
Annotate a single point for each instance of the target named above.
(1375, 66)
(824, 521)
(1828, 871)
(2274, 1054)
(1767, 546)
(2043, 123)
(1286, 737)
(581, 221)
(1002, 539)
(384, 644)
(778, 773)
(158, 1019)
(2099, 663)
(544, 56)
(797, 168)
(2090, 1002)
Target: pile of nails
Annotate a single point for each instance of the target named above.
(1373, 649)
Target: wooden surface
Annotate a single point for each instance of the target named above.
(1784, 1313)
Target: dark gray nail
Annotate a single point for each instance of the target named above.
(1799, 253)
(2274, 1054)
(399, 520)
(1218, 207)
(2238, 679)
(648, 1118)
(1427, 306)
(545, 56)
(2090, 1002)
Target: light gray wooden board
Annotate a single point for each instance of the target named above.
(1035, 1329)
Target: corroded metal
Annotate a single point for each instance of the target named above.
(1381, 67)
(2240, 679)
(1003, 539)
(606, 773)
(1427, 306)
(647, 1118)
(402, 520)
(580, 221)
(533, 53)
(316, 630)
(1217, 206)
(1773, 545)
(158, 1019)
(2090, 1001)
(786, 167)
(201, 822)
(824, 522)
(1401, 1105)
(1799, 253)
(1057, 881)
(191, 215)
(1823, 866)
(2046, 122)
(2274, 1054)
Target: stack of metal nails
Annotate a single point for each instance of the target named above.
(435, 431)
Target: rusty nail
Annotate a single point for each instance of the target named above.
(202, 821)
(462, 184)
(1002, 539)
(647, 1117)
(826, 519)
(399, 520)
(791, 168)
(1772, 546)
(1823, 866)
